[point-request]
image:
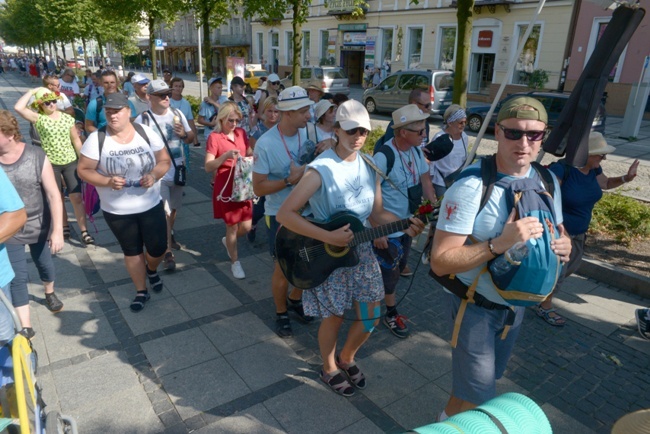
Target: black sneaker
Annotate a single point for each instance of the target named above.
(53, 302)
(643, 322)
(283, 326)
(397, 325)
(299, 311)
(154, 280)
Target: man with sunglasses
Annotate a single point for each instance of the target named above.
(140, 98)
(420, 97)
(279, 165)
(95, 113)
(409, 173)
(466, 239)
(272, 89)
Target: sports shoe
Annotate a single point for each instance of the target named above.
(223, 241)
(237, 271)
(643, 322)
(283, 326)
(299, 311)
(397, 325)
(170, 262)
(406, 272)
(53, 302)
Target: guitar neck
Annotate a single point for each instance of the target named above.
(381, 231)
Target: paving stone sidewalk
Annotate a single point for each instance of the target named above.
(203, 357)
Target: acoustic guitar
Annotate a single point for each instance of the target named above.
(307, 262)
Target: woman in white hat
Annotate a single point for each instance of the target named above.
(340, 180)
(322, 131)
(581, 189)
(444, 170)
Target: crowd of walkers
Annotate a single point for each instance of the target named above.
(300, 150)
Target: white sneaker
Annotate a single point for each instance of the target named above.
(223, 241)
(237, 271)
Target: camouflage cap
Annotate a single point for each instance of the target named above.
(513, 109)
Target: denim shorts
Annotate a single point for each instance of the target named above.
(480, 357)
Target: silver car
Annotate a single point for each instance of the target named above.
(393, 92)
(331, 79)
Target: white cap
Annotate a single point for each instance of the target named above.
(293, 98)
(352, 114)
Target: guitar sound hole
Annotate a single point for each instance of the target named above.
(336, 251)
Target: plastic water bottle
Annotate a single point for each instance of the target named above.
(511, 258)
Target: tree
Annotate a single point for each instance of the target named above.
(273, 11)
(123, 36)
(465, 16)
(209, 14)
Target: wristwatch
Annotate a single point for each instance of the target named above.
(287, 183)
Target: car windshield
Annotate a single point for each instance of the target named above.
(260, 73)
(334, 73)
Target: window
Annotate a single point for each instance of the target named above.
(305, 73)
(389, 83)
(444, 81)
(306, 41)
(422, 81)
(289, 38)
(598, 27)
(386, 44)
(407, 82)
(235, 28)
(324, 39)
(527, 61)
(447, 52)
(415, 47)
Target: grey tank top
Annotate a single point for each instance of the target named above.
(25, 175)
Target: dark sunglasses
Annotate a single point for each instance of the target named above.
(360, 130)
(513, 134)
(49, 102)
(164, 96)
(426, 106)
(419, 132)
(274, 82)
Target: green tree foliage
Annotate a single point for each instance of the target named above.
(21, 24)
(210, 14)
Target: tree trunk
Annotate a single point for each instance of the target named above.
(297, 42)
(207, 45)
(83, 44)
(56, 53)
(152, 46)
(465, 15)
(101, 49)
(65, 59)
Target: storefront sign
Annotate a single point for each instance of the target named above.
(370, 50)
(235, 67)
(340, 6)
(331, 46)
(353, 27)
(354, 38)
(485, 38)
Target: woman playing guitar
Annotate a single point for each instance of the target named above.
(339, 180)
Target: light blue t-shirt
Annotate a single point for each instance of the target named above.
(91, 112)
(128, 88)
(346, 186)
(208, 110)
(184, 106)
(273, 159)
(409, 166)
(458, 215)
(9, 202)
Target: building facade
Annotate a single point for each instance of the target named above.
(405, 35)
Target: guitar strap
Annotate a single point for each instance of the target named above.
(385, 177)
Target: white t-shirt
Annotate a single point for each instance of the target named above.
(450, 163)
(131, 161)
(166, 124)
(72, 88)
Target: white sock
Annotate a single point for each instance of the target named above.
(443, 416)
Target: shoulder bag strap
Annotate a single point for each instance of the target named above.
(163, 137)
(374, 167)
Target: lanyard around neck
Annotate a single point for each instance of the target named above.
(286, 148)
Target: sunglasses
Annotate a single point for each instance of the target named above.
(51, 102)
(360, 130)
(419, 132)
(275, 83)
(426, 106)
(513, 134)
(164, 96)
(232, 121)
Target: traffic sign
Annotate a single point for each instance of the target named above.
(159, 42)
(80, 50)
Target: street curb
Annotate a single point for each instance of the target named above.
(615, 276)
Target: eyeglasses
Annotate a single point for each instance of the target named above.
(419, 132)
(360, 130)
(48, 103)
(232, 121)
(513, 134)
(275, 83)
(427, 106)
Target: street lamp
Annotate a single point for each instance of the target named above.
(198, 29)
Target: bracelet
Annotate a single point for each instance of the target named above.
(491, 248)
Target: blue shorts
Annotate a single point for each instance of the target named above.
(480, 357)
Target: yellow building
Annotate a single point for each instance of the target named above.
(405, 35)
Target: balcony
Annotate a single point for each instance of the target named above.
(232, 40)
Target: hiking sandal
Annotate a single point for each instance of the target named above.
(141, 297)
(555, 320)
(66, 232)
(338, 382)
(86, 238)
(353, 372)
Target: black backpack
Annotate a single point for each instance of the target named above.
(101, 137)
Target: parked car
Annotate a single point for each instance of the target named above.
(331, 79)
(393, 92)
(553, 102)
(252, 78)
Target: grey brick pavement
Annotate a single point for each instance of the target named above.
(203, 357)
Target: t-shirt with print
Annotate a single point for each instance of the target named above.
(166, 124)
(273, 155)
(245, 114)
(184, 106)
(131, 161)
(458, 215)
(55, 138)
(91, 112)
(9, 202)
(407, 169)
(69, 89)
(345, 186)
